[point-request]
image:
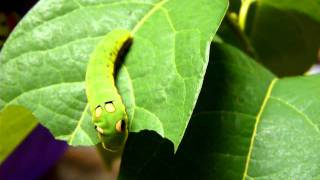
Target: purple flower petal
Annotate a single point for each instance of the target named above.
(33, 157)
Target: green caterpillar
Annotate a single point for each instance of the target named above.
(108, 111)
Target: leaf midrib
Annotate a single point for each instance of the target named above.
(258, 118)
(150, 13)
(72, 136)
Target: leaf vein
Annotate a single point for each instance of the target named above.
(39, 89)
(298, 111)
(258, 118)
(72, 136)
(63, 15)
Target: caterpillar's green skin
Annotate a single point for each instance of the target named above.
(100, 89)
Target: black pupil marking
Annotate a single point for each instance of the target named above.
(108, 102)
(98, 107)
(123, 125)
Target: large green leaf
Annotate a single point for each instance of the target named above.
(247, 124)
(252, 125)
(43, 63)
(13, 128)
(285, 34)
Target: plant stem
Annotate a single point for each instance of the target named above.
(245, 5)
(245, 43)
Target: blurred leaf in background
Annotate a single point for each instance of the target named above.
(285, 34)
(234, 5)
(7, 23)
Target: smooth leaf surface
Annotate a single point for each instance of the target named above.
(285, 34)
(44, 61)
(248, 124)
(252, 125)
(17, 126)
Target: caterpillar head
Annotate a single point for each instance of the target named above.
(111, 123)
